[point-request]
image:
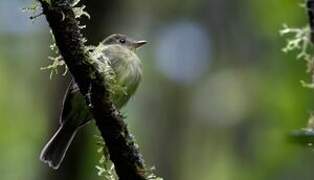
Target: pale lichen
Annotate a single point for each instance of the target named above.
(32, 8)
(57, 60)
(80, 11)
(105, 168)
(299, 40)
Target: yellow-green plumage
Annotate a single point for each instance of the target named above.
(128, 72)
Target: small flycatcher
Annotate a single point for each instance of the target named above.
(127, 67)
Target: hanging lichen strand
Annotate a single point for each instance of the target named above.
(301, 40)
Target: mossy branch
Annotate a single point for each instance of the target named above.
(87, 73)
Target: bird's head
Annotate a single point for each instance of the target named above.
(123, 40)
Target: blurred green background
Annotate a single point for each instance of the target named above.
(217, 99)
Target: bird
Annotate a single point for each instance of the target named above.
(120, 50)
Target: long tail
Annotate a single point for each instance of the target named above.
(56, 148)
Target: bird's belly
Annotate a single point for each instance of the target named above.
(128, 77)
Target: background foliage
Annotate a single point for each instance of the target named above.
(217, 100)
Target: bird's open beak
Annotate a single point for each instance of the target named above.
(140, 44)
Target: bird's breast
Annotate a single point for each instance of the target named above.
(128, 70)
(124, 62)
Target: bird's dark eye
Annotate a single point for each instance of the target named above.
(122, 41)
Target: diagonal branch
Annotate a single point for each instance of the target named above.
(123, 151)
